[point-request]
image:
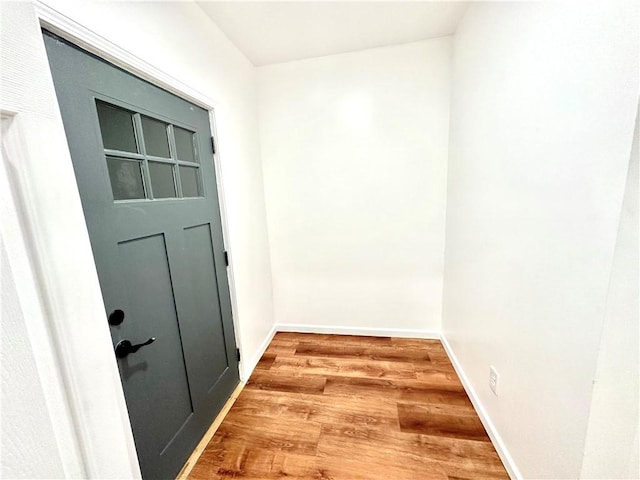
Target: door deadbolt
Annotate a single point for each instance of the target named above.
(116, 317)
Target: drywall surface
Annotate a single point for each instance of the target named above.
(180, 40)
(543, 104)
(277, 32)
(614, 419)
(354, 149)
(28, 446)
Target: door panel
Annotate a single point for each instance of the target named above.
(146, 177)
(155, 375)
(199, 254)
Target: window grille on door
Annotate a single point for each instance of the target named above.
(147, 158)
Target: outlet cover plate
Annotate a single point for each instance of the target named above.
(493, 380)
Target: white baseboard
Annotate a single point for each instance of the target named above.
(247, 367)
(499, 445)
(372, 332)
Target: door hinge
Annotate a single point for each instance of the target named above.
(238, 354)
(213, 145)
(226, 258)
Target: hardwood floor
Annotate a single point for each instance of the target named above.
(351, 408)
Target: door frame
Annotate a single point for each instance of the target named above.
(101, 427)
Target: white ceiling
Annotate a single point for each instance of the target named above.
(273, 32)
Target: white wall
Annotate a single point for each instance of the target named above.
(543, 103)
(56, 282)
(611, 448)
(28, 448)
(354, 148)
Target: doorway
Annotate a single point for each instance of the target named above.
(143, 160)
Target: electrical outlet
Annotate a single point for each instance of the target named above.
(493, 380)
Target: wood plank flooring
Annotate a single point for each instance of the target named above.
(351, 408)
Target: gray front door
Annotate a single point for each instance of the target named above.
(143, 160)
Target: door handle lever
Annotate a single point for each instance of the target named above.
(125, 347)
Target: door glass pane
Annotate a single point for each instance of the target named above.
(126, 178)
(155, 137)
(116, 127)
(189, 181)
(162, 180)
(184, 144)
